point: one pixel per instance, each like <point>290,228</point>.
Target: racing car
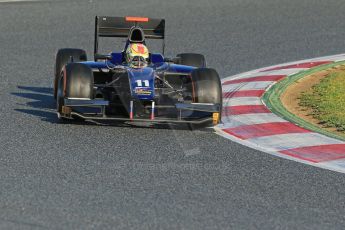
<point>135,85</point>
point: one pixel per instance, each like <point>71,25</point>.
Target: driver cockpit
<point>136,53</point>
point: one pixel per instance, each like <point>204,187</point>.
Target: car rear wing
<point>120,27</point>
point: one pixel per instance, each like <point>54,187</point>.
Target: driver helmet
<point>137,55</point>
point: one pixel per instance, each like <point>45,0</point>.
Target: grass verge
<point>272,100</point>
<point>327,101</point>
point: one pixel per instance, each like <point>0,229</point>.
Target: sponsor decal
<point>143,91</point>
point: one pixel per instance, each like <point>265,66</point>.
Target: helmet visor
<point>138,61</point>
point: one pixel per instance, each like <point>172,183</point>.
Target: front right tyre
<point>76,81</point>
<point>63,57</point>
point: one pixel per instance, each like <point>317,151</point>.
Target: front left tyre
<point>206,88</point>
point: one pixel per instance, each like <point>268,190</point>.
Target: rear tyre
<point>76,81</point>
<point>206,88</point>
<point>191,59</point>
<point>63,57</point>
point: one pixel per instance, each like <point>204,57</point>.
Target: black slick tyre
<point>63,57</point>
<point>206,88</point>
<point>76,81</point>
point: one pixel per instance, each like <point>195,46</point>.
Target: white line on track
<point>338,57</point>
<point>273,72</point>
<point>333,167</point>
<point>249,119</point>
<point>256,85</point>
<point>242,101</point>
<point>293,140</point>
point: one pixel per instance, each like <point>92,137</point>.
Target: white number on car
<point>140,83</point>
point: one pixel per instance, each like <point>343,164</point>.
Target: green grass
<point>327,101</point>
<point>272,99</point>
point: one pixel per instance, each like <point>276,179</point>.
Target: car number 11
<point>140,83</point>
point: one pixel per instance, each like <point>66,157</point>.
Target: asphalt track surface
<point>70,176</point>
